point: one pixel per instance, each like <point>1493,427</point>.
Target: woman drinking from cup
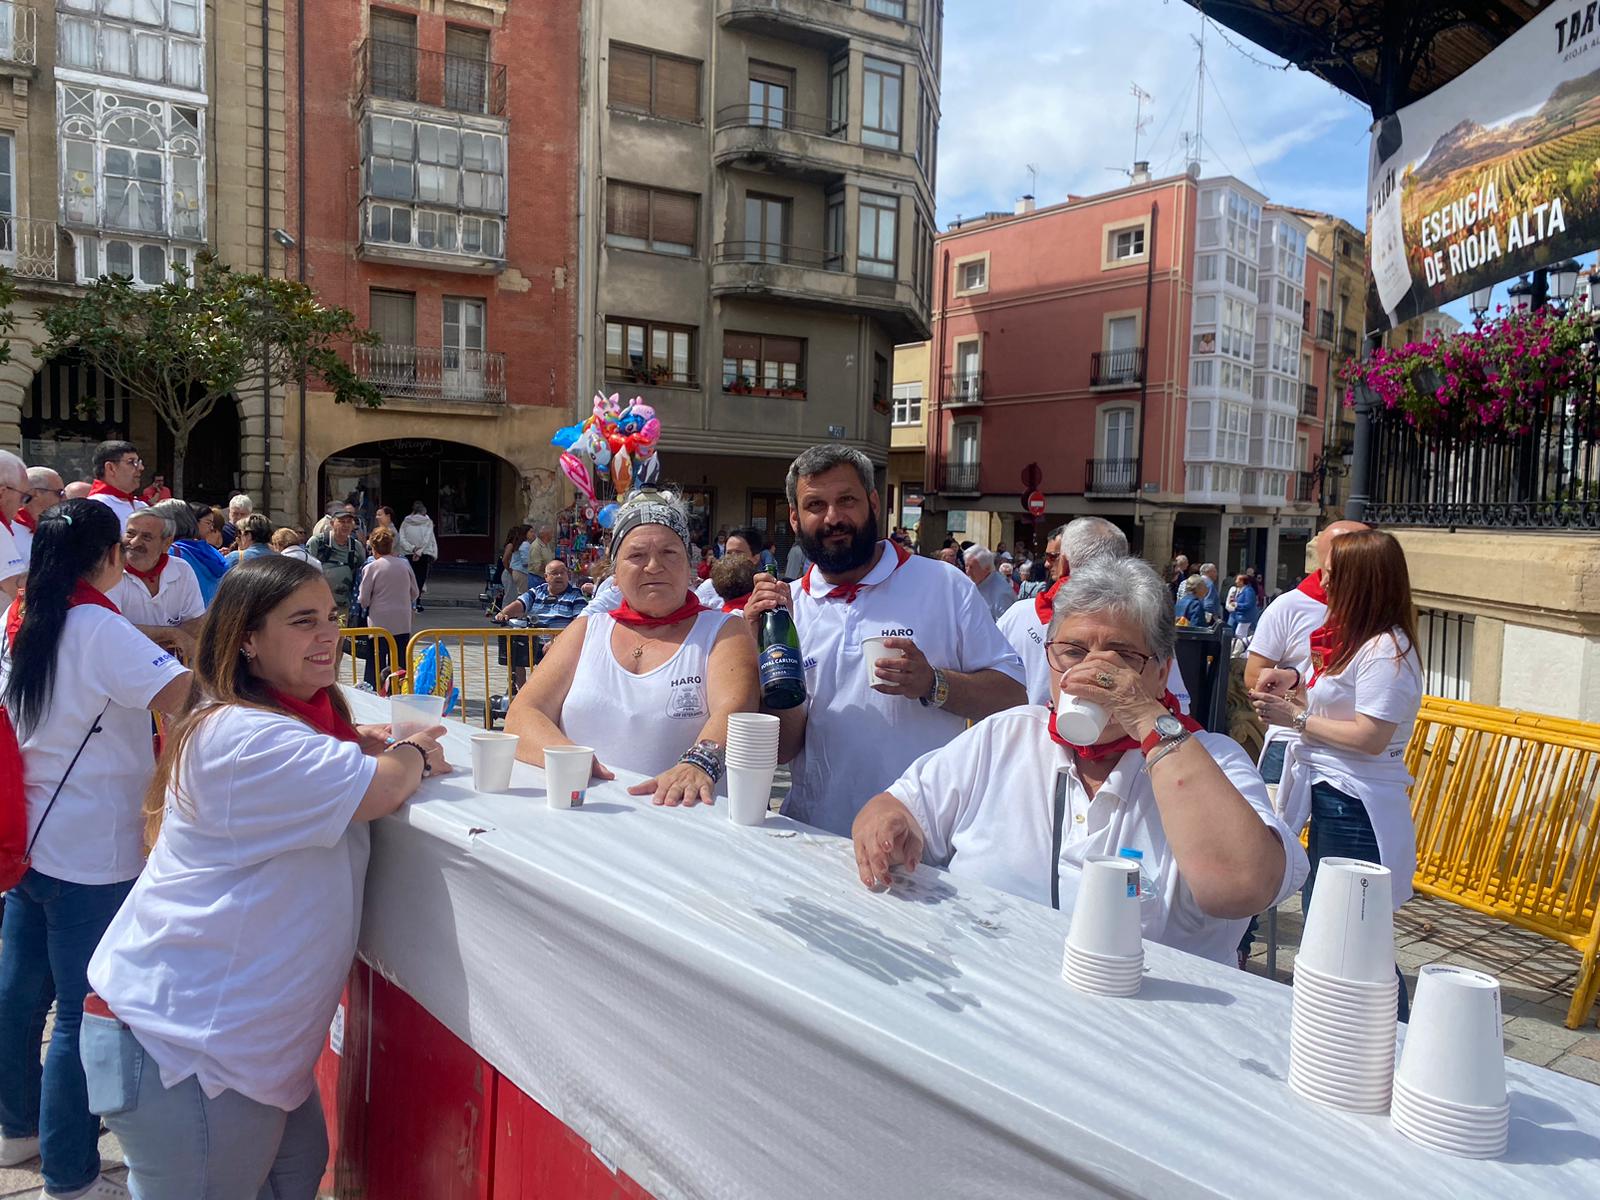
<point>648,686</point>
<point>1347,773</point>
<point>215,984</point>
<point>1019,803</point>
<point>77,681</point>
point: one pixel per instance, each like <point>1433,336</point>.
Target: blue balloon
<point>607,516</point>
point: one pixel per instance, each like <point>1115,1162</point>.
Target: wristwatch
<point>1300,719</point>
<point>939,693</point>
<point>1167,728</point>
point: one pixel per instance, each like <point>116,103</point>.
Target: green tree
<point>186,344</point>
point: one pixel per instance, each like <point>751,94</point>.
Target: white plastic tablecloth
<point>726,1012</point>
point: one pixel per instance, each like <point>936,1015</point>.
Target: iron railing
<point>1308,401</point>
<point>959,478</point>
<point>1446,650</point>
<point>1111,476</point>
<point>771,116</point>
<point>777,252</point>
<point>964,387</point>
<point>29,248</point>
<point>1547,478</point>
<point>433,373</point>
<point>1116,368</point>
<point>459,82</point>
<point>1324,325</point>
<point>1303,487</point>
<point>19,33</point>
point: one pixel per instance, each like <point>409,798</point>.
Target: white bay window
<point>157,41</point>
<point>434,186</point>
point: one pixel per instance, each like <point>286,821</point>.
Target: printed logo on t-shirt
<point>161,660</point>
<point>899,633</point>
<point>688,698</point>
<point>811,662</point>
<point>1036,637</point>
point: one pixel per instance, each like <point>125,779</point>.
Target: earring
<point>248,657</point>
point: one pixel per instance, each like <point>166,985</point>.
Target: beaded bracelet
<point>697,757</point>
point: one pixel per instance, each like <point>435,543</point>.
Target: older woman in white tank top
<point>650,685</point>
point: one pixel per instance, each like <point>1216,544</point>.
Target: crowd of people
<point>191,904</point>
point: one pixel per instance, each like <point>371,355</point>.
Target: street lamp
<point>1564,280</point>
<point>1521,295</point>
<point>1594,288</point>
<point>1479,304</point>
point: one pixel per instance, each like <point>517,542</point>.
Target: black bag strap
<point>94,728</point>
<point>1058,822</point>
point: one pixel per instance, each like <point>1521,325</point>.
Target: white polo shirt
<point>986,807</point>
<point>1022,628</point>
<point>95,833</point>
<point>13,561</point>
<point>121,507</point>
<point>177,597</point>
<point>228,957</point>
<point>859,740</point>
<point>23,537</point>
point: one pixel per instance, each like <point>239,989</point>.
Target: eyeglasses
<point>1064,656</point>
<point>1049,557</point>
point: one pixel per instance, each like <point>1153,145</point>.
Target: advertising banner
<point>1494,174</point>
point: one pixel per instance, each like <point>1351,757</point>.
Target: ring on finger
<point>1105,680</point>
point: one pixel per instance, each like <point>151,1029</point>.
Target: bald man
<point>13,495</point>
<point>1283,638</point>
<point>78,489</point>
<point>44,493</point>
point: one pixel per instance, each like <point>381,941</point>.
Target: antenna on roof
<point>1140,121</point>
<point>1198,140</point>
<point>1033,178</point>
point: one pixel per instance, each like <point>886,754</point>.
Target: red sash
<point>626,614</point>
<point>101,488</point>
<point>849,591</point>
<point>1124,743</point>
<point>319,713</point>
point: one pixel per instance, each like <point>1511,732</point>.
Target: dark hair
<point>109,452</point>
<point>257,526</point>
<point>734,576</point>
<point>750,536</point>
<point>246,597</point>
<point>180,514</point>
<point>202,512</point>
<point>71,543</point>
<point>517,535</point>
<point>1369,593</point>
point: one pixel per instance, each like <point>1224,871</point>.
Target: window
<point>466,69</point>
<point>445,165</point>
<point>1122,333</point>
<point>763,365</point>
<point>875,247</point>
<point>1117,441</point>
<point>766,228</point>
<point>394,317</point>
<point>771,91</point>
<point>7,188</point>
<point>393,61</point>
<point>654,85</point>
<point>927,134</point>
<point>907,404</point>
<point>839,96</point>
<point>641,218</point>
<point>462,363</point>
<point>888,8</point>
<point>880,384</point>
<point>1127,243</point>
<point>833,230</point>
<point>922,254</point>
<point>881,84</point>
<point>650,352</point>
<point>972,276</point>
<point>158,41</point>
<point>967,385</point>
<point>426,229</point>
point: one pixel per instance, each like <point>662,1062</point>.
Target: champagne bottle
<point>783,676</point>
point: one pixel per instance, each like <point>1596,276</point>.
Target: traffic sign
<point>1036,503</point>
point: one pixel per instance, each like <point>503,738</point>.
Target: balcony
<point>823,22</point>
<point>821,278</point>
<point>1309,407</point>
<point>1303,488</point>
<point>433,375</point>
<point>1111,477</point>
<point>399,71</point>
<point>1116,368</point>
<point>29,249</point>
<point>959,478</point>
<point>807,147</point>
<point>964,389</point>
<point>416,235</point>
<point>19,33</point>
<point>1325,326</point>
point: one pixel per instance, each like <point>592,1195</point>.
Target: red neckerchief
<point>626,613</point>
<point>1325,647</point>
<point>101,488</point>
<point>26,520</point>
<point>152,577</point>
<point>1045,602</point>
<point>1124,743</point>
<point>737,603</point>
<point>82,593</point>
<point>1311,585</point>
<point>849,591</point>
<point>319,713</point>
<point>5,520</point>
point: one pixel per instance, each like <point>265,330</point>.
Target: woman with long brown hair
<point>216,980</point>
<point>1355,714</point>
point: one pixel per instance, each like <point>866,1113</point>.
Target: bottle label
<point>780,664</point>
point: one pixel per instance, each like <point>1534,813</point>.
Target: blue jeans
<point>1340,828</point>
<point>1271,766</point>
<point>181,1144</point>
<point>51,929</point>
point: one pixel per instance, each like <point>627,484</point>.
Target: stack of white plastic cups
<point>1105,953</point>
<point>1341,1041</point>
<point>1450,1090</point>
<point>752,761</point>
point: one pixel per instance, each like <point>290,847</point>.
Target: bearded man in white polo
<point>948,663</point>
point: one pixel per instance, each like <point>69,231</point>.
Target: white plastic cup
<point>1349,932</point>
<point>749,794</point>
<point>873,651</point>
<point>412,713</point>
<point>493,756</point>
<point>1454,1052</point>
<point>753,724</point>
<point>1079,721</point>
<point>566,774</point>
<point>1105,916</point>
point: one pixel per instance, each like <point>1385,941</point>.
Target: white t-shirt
<point>121,507</point>
<point>95,833</point>
<point>1283,633</point>
<point>858,740</point>
<point>177,597</point>
<point>706,593</point>
<point>1022,628</point>
<point>986,807</point>
<point>23,537</point>
<point>13,560</point>
<point>608,598</point>
<point>228,957</point>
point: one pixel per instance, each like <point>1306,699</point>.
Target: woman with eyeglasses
<point>197,542</point>
<point>1013,804</point>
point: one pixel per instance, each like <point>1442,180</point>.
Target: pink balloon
<point>580,471</point>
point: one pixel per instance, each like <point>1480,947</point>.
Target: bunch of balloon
<point>616,441</point>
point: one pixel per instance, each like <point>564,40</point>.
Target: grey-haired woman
<point>651,684</point>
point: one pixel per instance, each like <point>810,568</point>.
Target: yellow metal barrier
<point>370,639</point>
<point>1507,810</point>
<point>476,656</point>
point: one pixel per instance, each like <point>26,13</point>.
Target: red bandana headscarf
<point>319,713</point>
<point>628,615</point>
<point>849,591</point>
<point>1124,743</point>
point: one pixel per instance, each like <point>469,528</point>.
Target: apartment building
<point>432,175</point>
<point>132,136</point>
<point>1146,349</point>
<point>758,217</point>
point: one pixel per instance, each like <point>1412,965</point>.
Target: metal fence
<point>1445,646</point>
